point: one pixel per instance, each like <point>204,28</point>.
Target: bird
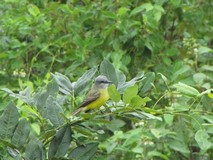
<point>97,96</point>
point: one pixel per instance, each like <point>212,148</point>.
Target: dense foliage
<point>158,53</point>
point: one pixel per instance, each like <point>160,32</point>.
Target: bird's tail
<point>77,111</point>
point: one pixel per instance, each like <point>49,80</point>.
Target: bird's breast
<point>101,100</point>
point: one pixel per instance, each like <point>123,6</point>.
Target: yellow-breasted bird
<point>97,96</point>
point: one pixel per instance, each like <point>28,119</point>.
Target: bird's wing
<point>92,96</point>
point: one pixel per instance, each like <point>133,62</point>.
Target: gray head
<point>102,82</point>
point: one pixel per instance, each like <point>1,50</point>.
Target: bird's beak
<point>109,82</point>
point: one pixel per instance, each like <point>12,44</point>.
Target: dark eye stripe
<point>103,81</point>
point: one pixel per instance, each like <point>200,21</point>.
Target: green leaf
<point>177,73</point>
<point>172,52</point>
<point>161,132</point>
<point>163,77</point>
<point>180,107</point>
<point>143,7</point>
<point>84,80</point>
<point>129,93</point>
<point>109,145</point>
<point>176,2</point>
<point>48,134</point>
<point>60,143</point>
<point>122,11</point>
<point>113,93</point>
<point>132,136</point>
<point>122,86</point>
<point>14,153</point>
<point>179,146</point>
<point>150,116</point>
<point>40,100</point>
<point>107,69</point>
<point>121,79</point>
<point>168,118</point>
<point>85,152</point>
<point>202,138</point>
<point>52,111</point>
<point>115,124</point>
<point>21,133</point>
<point>204,49</point>
<point>34,150</point>
<point>138,101</point>
<point>52,88</point>
<point>83,131</point>
<point>208,118</point>
<point>207,68</point>
<point>199,78</point>
<point>23,95</point>
<point>186,90</point>
<point>34,10</point>
<point>156,154</point>
<point>147,82</point>
<point>8,120</point>
<point>73,66</point>
<point>36,128</point>
<point>64,83</point>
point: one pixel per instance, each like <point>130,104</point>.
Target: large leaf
<point>14,153</point>
<point>129,93</point>
<point>53,111</point>
<point>138,101</point>
<point>123,86</point>
<point>161,132</point>
<point>204,49</point>
<point>143,115</point>
<point>143,7</point>
<point>8,120</point>
<point>107,69</point>
<point>23,95</point>
<point>132,136</point>
<point>60,143</point>
<point>115,124</point>
<point>179,72</point>
<point>186,90</point>
<point>168,118</point>
<point>121,79</point>
<point>40,98</point>
<point>21,133</point>
<point>113,93</point>
<point>202,138</point>
<point>64,83</point>
<point>84,80</point>
<point>179,145</point>
<point>34,150</point>
<point>118,78</point>
<point>81,130</point>
<point>33,10</point>
<point>85,152</point>
<point>147,82</point>
<point>52,88</point>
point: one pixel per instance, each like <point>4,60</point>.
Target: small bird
<point>97,96</point>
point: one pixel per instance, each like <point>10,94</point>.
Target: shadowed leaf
<point>8,120</point>
<point>60,143</point>
<point>85,152</point>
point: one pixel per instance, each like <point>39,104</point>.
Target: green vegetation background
<point>158,53</point>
